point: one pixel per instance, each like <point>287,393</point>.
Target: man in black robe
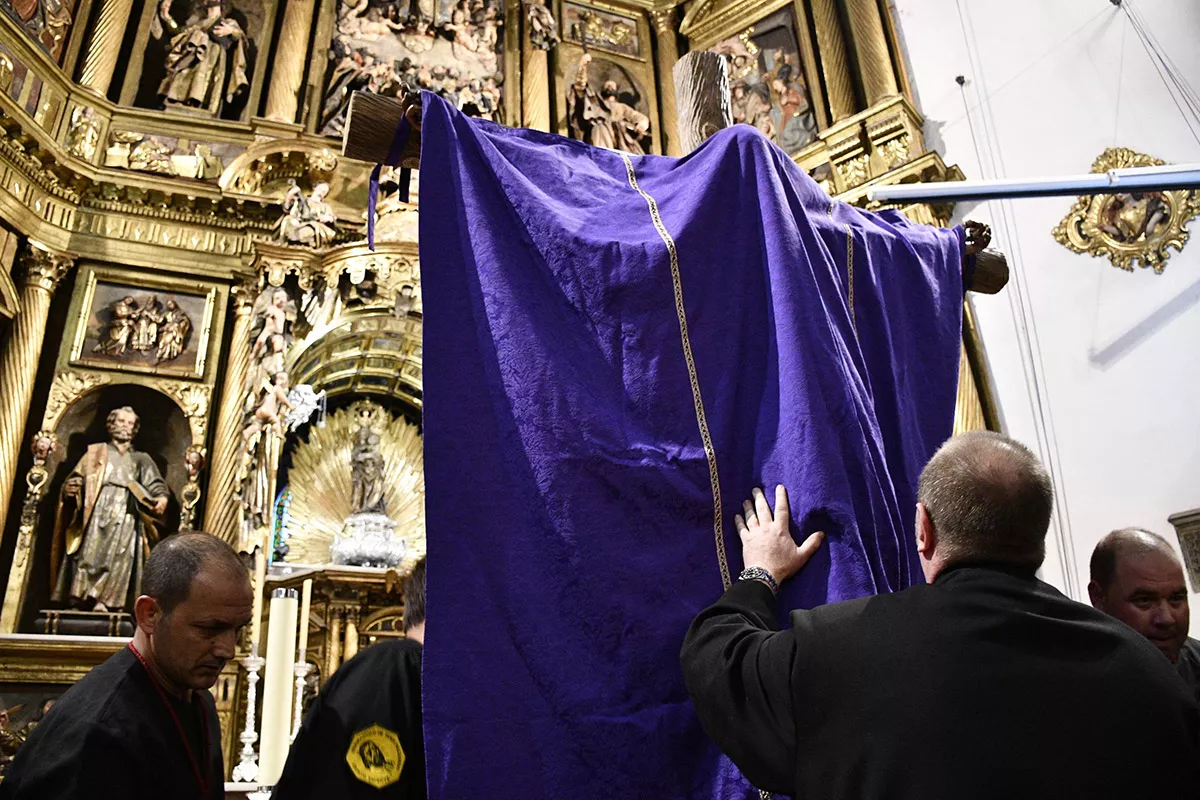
<point>983,683</point>
<point>141,726</point>
<point>1137,579</point>
<point>362,736</point>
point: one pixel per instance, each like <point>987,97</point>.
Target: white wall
<point>1114,356</point>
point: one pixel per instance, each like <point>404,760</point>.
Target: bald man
<point>1137,579</point>
<point>982,683</point>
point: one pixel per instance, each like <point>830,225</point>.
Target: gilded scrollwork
<point>1130,227</point>
<point>69,386</point>
<point>193,400</point>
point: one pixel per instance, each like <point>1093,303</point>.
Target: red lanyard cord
<point>199,773</point>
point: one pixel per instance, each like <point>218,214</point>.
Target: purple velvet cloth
<point>568,502</point>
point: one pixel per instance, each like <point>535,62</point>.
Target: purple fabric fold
<point>568,504</point>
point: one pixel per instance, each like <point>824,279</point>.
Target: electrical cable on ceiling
<point>1181,92</point>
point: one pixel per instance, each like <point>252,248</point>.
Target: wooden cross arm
<point>371,126</point>
<point>371,123</point>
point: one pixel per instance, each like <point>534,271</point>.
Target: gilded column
<point>287,70</point>
<point>222,514</point>
<point>351,646</point>
<point>104,45</point>
<point>535,76</point>
<point>833,60</point>
<point>333,642</point>
<point>870,45</point>
<point>41,272</point>
<point>667,55</point>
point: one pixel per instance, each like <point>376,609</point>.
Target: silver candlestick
<point>300,670</point>
<point>247,770</point>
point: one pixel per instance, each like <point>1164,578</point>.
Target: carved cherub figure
<point>271,408</point>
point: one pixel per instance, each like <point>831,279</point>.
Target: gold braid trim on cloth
<point>710,452</point>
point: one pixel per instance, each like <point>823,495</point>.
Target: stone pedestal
<point>368,540</point>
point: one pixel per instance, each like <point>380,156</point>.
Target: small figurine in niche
<point>270,409</point>
<point>115,338</point>
<point>307,221</point>
<point>543,30</point>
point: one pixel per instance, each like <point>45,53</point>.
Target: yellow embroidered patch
<point>375,756</point>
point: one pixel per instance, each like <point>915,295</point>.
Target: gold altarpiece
<point>119,192</point>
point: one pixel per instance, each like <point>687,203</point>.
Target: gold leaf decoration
<point>1129,227</point>
<point>320,482</point>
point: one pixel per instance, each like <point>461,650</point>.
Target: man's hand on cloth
<point>766,539</point>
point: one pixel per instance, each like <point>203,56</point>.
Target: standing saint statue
<point>602,119</point>
<point>109,513</point>
<point>366,470</point>
<point>206,59</point>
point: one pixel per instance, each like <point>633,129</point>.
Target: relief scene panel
<point>767,79</point>
<point>452,47</point>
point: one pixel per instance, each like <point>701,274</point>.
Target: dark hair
<point>414,596</point>
<point>175,562</point>
<point>989,499</point>
<point>1121,542</point>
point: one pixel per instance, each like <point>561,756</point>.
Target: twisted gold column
<point>833,60</point>
<point>222,514</point>
<point>666,56</point>
<point>535,86</point>
<point>870,45</point>
<point>287,70</point>
<point>41,272</point>
<point>104,45</point>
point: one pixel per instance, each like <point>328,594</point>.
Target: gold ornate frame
<point>82,311</point>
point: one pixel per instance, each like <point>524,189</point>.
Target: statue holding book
<point>109,514</point>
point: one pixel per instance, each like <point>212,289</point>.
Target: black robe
<point>984,685</point>
<point>1188,666</point>
<point>368,705</point>
<point>111,737</point>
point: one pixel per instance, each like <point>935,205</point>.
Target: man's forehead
<point>1153,569</point>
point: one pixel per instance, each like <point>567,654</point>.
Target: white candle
<point>305,604</point>
<point>260,579</point>
<point>277,696</point>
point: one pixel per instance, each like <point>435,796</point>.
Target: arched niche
<point>164,434</point>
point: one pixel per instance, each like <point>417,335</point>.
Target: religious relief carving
<point>602,107</point>
<point>110,513</point>
<point>603,30</point>
<point>543,30</point>
<point>46,21</point>
<point>895,151</point>
<point>1130,227</point>
<point>84,134</point>
<point>308,221</point>
<point>207,60</point>
<point>143,328</point>
<point>767,81</point>
<point>166,155</point>
<point>854,171</point>
<point>454,49</point>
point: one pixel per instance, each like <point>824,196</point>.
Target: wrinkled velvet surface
<point>570,516</point>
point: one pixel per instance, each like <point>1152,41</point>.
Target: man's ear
<point>926,533</point>
<point>1096,595</point>
<point>147,613</point>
